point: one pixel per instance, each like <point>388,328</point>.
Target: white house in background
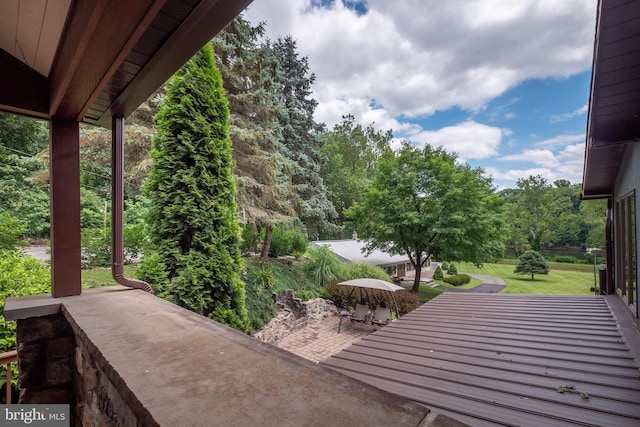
<point>352,250</point>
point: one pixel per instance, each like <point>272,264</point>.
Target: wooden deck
<point>497,359</point>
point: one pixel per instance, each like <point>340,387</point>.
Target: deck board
<point>497,359</point>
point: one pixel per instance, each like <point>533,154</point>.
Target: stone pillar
<point>45,360</point>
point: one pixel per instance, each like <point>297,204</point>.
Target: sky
<point>502,83</point>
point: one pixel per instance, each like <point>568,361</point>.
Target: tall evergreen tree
<point>193,216</point>
<point>248,71</point>
<point>300,137</point>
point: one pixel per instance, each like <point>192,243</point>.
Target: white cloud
<point>417,57</point>
<point>564,164</point>
<point>562,140</point>
<point>564,117</point>
<point>544,158</point>
<point>402,61</point>
<point>471,140</point>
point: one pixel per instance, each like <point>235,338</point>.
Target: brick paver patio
<point>321,339</point>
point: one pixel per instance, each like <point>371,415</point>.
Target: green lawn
<point>427,293</point>
<point>102,276</point>
<point>556,282</point>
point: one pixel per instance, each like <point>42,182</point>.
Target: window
<point>626,261</point>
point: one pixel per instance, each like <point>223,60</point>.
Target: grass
<point>585,268</point>
<point>428,293</point>
<point>102,276</point>
<point>560,282</point>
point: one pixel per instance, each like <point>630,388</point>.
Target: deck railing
<point>7,359</point>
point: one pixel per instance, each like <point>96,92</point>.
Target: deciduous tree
<point>350,152</point>
<point>21,139</point>
<point>422,203</point>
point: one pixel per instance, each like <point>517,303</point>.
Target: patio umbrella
<point>369,283</point>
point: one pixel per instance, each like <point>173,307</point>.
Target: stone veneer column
<point>45,360</point>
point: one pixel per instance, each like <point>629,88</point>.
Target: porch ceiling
<point>493,359</point>
<point>89,60</point>
<point>614,106</point>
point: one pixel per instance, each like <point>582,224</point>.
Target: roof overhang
<point>93,59</point>
<point>614,104</point>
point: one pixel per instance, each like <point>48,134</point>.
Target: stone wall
<point>45,361</point>
<point>295,315</point>
<point>99,403</point>
<point>56,367</point>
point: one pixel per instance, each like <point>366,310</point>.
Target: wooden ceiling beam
<point>208,18</point>
<point>82,22</point>
<point>99,46</point>
<point>140,28</point>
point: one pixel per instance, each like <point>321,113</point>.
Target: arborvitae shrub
<point>452,270</point>
<point>438,274</point>
<point>193,214</point>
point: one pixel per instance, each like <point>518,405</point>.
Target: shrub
<point>96,244</point>
<point>264,280</point>
<point>357,270</point>
<point>287,241</point>
<point>19,275</point>
<point>260,303</point>
<point>11,229</point>
<point>153,271</point>
<point>251,238</point>
<point>588,259</point>
<point>135,240</point>
<point>445,265</point>
<point>452,270</point>
<point>338,294</point>
<point>323,265</point>
<point>457,280</point>
<point>566,259</point>
<point>407,301</point>
<point>438,274</point>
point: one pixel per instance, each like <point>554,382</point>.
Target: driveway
<point>40,252</point>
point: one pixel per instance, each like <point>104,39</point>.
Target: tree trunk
<point>266,245</point>
<point>416,282</point>
<point>531,276</point>
<point>418,270</point>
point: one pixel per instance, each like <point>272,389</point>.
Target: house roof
<point>614,104</point>
<point>353,251</point>
<point>91,60</point>
<point>493,359</point>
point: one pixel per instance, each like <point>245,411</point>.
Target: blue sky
<point>503,83</point>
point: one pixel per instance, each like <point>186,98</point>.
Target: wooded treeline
<point>292,174</point>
